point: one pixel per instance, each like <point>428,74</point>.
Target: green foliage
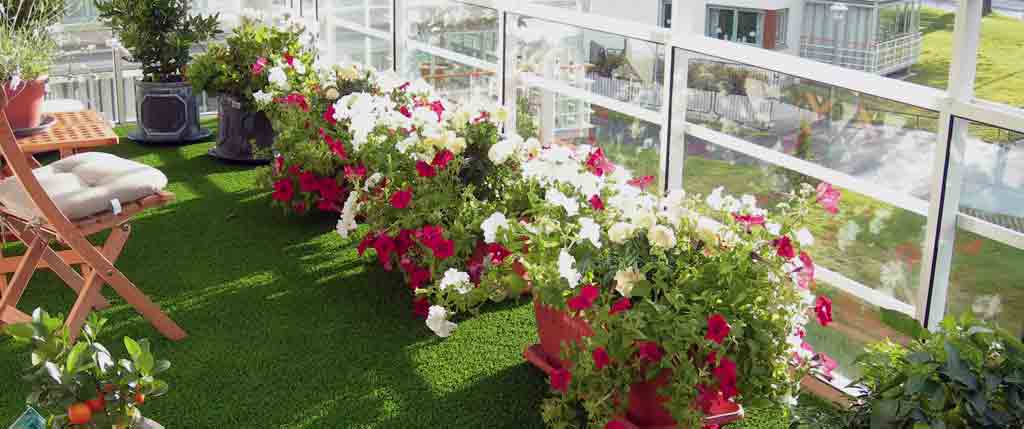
<point>969,374</point>
<point>158,33</point>
<point>526,125</point>
<point>64,372</point>
<point>27,47</point>
<point>227,68</point>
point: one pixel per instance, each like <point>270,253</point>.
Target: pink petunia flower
<point>598,164</point>
<point>642,182</point>
<point>259,65</point>
<point>784,247</point>
<point>828,197</point>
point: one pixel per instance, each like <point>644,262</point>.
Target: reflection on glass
<point>748,27</point>
<point>457,82</point>
<point>987,276</point>
<point>465,29</point>
<point>609,65</point>
<point>648,13</point>
<point>877,140</point>
<point>627,141</point>
<point>340,42</point>
<point>720,23</point>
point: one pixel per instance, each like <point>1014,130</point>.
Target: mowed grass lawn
<point>289,328</point>
<point>1000,73</point>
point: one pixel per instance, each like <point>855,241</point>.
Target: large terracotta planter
<point>555,327</point>
<point>25,109</point>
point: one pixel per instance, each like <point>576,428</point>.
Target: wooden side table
<point>74,132</point>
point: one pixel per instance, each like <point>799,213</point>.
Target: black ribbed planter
<point>241,133</point>
<point>167,113</point>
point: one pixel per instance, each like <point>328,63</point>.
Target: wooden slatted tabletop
<point>72,132</point>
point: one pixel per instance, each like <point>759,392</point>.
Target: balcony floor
<point>288,328</point>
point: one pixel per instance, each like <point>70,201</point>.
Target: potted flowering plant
<point>428,177</point>
<point>237,69</point>
<point>27,48</point>
<point>80,384</point>
<point>665,312</point>
<point>307,171</point>
<point>160,35</point>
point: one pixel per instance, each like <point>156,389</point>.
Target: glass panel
<point>870,138</point>
<point>457,82</point>
<point>873,246</point>
<point>648,12</point>
<point>987,277</point>
<point>722,24</point>
<point>357,31</point>
<point>606,64</point>
<point>1000,48</point>
<point>627,141</point>
<point>467,30</point>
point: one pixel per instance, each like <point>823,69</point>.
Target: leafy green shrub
<point>967,375</point>
<point>27,47</point>
<point>159,33</point>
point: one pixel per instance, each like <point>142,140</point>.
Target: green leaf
<point>76,358</point>
<point>20,331</point>
<point>133,348</point>
<point>54,372</point>
<point>919,358</point>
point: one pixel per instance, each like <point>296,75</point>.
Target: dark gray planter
<point>167,113</point>
<point>241,133</point>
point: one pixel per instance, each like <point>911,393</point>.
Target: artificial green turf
<point>288,327</point>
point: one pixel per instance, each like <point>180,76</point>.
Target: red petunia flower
<point>588,294</point>
<point>367,241</point>
<point>284,190</point>
<point>421,307</point>
<point>650,351</point>
<point>329,115</point>
<point>385,246</point>
<point>418,277</point>
<point>615,424</point>
<point>749,221</point>
<point>288,58</point>
<point>560,379</point>
<point>404,110</point>
<point>596,203</point>
<point>621,305</point>
<point>308,182</point>
<point>443,249</point>
<point>642,182</point>
<point>497,252</point>
<point>355,171</point>
<point>401,199</point>
<point>278,164</point>
<point>784,247</point>
<point>823,309</point>
<point>725,373</point>
<point>442,158</point>
<point>718,328</point>
<point>425,170</point>
<point>707,397</point>
<point>828,197</point>
<point>598,164</point>
<point>601,358</point>
<point>438,107</point>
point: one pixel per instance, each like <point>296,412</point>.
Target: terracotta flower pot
<point>25,108</point>
<point>555,327</point>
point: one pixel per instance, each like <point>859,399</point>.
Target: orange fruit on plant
<point>96,404</point>
<point>109,388</point>
<point>79,414</point>
<point>140,398</point>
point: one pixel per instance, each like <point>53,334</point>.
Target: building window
<point>781,28</point>
<point>762,28</point>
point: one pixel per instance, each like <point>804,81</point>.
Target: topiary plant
<point>158,33</point>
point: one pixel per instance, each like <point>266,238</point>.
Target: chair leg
<point>83,305</point>
<point>26,268</point>
<point>147,308</point>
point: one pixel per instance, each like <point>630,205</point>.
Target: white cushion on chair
<point>83,185</point>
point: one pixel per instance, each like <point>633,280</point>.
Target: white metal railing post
<point>400,36</point>
<point>673,139</point>
<point>507,72</point>
<point>118,86</point>
<point>947,170</point>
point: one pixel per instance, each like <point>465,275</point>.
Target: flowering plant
<point>427,177</point>
<point>708,296</point>
<point>80,384</point>
<point>308,167</point>
<point>237,66</point>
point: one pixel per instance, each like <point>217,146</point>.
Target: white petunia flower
<point>566,269</point>
<point>804,237</point>
<point>298,66</point>
<point>715,200</point>
<point>556,197</point>
<point>372,181</point>
<point>987,306</point>
<point>492,224</point>
<point>262,97</point>
<point>437,321</point>
<point>773,228</point>
<point>591,231</point>
<point>457,279</point>
<point>347,222</point>
<point>661,236</point>
<point>620,232</point>
<point>626,279</point>
<point>279,78</point>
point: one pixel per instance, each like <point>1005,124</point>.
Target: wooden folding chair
<point>97,263</point>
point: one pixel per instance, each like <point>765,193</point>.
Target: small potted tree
<point>27,49</point>
<point>160,34</point>
<point>237,69</point>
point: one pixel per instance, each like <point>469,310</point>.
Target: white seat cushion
<point>85,184</point>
